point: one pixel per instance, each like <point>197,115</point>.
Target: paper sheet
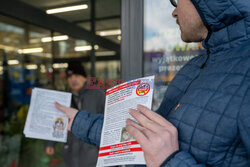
<point>44,120</point>
<point>117,146</point>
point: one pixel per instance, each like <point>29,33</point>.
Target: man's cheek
<point>74,84</point>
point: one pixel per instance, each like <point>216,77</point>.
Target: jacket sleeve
<point>181,159</point>
<point>244,121</point>
<point>88,127</point>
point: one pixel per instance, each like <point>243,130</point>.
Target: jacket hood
<point>228,22</point>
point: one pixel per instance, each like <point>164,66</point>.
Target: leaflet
<point>44,120</point>
<point>117,146</point>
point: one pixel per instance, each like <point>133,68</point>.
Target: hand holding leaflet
<point>117,146</point>
<point>153,133</point>
<point>69,112</point>
<point>44,120</point>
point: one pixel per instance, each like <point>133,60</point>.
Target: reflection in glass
<point>164,51</point>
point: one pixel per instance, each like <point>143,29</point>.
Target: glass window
<point>26,55</point>
<point>164,51</point>
<point>108,69</point>
<point>29,57</point>
<point>25,62</point>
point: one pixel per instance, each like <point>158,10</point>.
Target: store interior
<point>34,53</point>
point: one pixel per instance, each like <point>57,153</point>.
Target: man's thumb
<point>61,108</point>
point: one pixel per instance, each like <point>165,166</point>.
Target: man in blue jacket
<point>204,119</point>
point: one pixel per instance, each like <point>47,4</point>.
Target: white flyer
<point>44,120</point>
<point>117,146</point>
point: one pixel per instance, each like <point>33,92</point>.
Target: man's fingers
<point>70,113</point>
<point>153,116</point>
<point>145,131</point>
<point>144,121</point>
<point>137,134</point>
<point>69,125</point>
<point>61,108</point>
<point>65,110</point>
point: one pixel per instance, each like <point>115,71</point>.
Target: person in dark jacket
<point>75,152</point>
<point>204,119</point>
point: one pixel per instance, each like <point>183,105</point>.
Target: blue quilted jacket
<point>213,93</point>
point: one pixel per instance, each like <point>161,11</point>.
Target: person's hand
<point>157,137</point>
<point>49,150</point>
<point>70,113</point>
